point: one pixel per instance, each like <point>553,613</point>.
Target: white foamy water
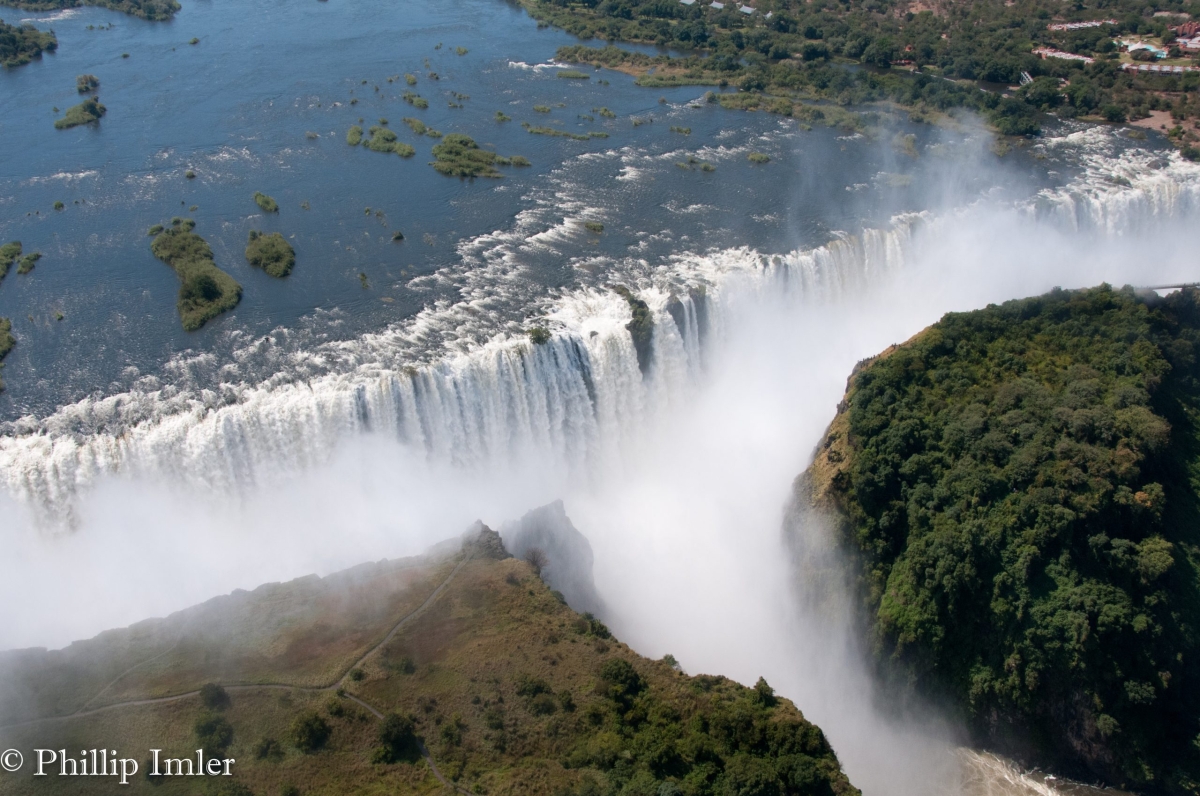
<point>677,468</point>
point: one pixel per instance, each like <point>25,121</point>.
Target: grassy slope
<point>459,668</point>
<point>1019,487</point>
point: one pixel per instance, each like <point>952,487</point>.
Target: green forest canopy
<point>805,47</point>
<point>20,44</point>
<point>1021,485</point>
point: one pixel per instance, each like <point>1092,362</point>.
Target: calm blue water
<point>236,109</point>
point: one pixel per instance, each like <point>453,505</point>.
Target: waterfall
<point>577,400</point>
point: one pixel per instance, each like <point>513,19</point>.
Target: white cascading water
<point>582,408</point>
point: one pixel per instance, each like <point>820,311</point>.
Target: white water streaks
<point>677,469</point>
<point>489,396</point>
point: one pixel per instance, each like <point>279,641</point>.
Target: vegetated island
<point>7,341</point>
<point>270,252</point>
<point>791,53</point>
<point>1019,489</point>
<point>459,156</point>
<point>379,139</point>
<point>460,670</point>
<point>146,9</point>
<point>265,203</point>
<point>205,291</point>
<point>86,83</point>
<point>20,44</point>
<point>9,253</point>
<point>86,112</point>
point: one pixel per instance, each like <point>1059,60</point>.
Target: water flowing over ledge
<point>579,399</point>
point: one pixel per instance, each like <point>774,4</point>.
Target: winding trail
<point>335,685</point>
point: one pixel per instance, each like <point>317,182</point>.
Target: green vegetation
<point>519,160</point>
<point>418,127</point>
<point>415,100</point>
<point>20,44</point>
<point>86,112</point>
<point>58,205</point>
<point>380,139</point>
<point>541,108</point>
<point>194,40</point>
<point>1020,486</point>
<point>695,163</point>
<point>927,60</point>
<point>146,9</point>
<point>573,74</point>
<point>682,130</point>
<point>410,79</point>
<point>489,677</point>
<point>501,116</point>
<point>554,132</point>
<point>189,174</point>
<point>7,341</point>
<point>459,156</point>
<point>460,50</point>
<point>205,291</point>
<point>28,262</point>
<point>605,112</point>
<point>9,253</point>
<point>265,203</point>
<point>641,327</point>
<point>758,157</point>
<point>593,226</point>
<point>539,335</point>
<point>271,253</point>
<point>86,83</point>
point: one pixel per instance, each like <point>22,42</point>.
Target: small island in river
<point>205,291</point>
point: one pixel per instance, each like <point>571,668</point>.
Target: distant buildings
<point>1095,23</point>
<point>1047,52</point>
<point>1158,69</point>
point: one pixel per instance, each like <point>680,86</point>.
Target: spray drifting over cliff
<point>674,460</point>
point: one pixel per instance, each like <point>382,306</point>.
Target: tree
<point>214,697</point>
<point>309,732</point>
<point>213,733</point>
<point>537,559</point>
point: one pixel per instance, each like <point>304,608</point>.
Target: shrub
<point>271,253</point>
<point>28,261</point>
<point>758,157</point>
<point>265,203</point>
<point>214,697</point>
<point>205,291</point>
<point>538,335</point>
<point>309,732</point>
<point>268,749</point>
<point>86,112</point>
<point>357,675</point>
<point>355,136</point>
<point>593,226</point>
<point>573,74</point>
<point>397,740</point>
<point>189,174</point>
<point>86,83</point>
<point>213,733</point>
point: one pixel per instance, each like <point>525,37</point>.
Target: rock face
<point>568,567</point>
<point>487,542</point>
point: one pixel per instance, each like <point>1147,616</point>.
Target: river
<point>322,423</point>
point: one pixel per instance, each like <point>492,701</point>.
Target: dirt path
<point>335,685</point>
